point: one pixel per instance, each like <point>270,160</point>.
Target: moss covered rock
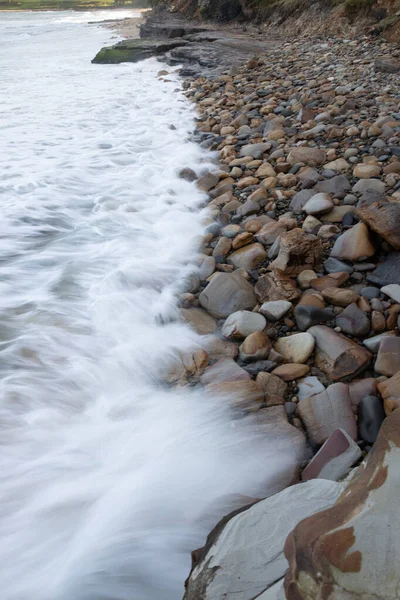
<point>135,50</point>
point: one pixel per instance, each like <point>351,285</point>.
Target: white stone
<point>309,386</point>
<point>247,557</point>
<point>318,204</point>
<point>276,309</point>
<point>296,348</point>
<point>241,323</point>
<point>393,291</point>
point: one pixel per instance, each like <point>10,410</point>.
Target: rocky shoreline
<point>297,296</point>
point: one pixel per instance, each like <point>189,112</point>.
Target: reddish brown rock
<point>390,392</point>
<point>351,550</point>
<point>388,359</point>
<point>298,251</point>
<point>291,371</point>
<point>339,297</point>
<point>338,356</point>
<point>334,280</point>
<point>384,218</point>
<point>276,286</point>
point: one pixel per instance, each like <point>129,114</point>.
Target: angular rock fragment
<point>354,244</point>
<point>276,286</point>
<point>353,321</point>
<point>337,356</point>
<point>298,251</point>
<point>335,459</point>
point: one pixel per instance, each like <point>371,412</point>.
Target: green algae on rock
<point>135,50</point>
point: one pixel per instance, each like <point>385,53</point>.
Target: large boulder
<point>352,550</point>
<point>243,556</point>
<point>227,293</point>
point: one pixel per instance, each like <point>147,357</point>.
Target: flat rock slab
<point>388,271</point>
<point>353,548</point>
<point>243,556</point>
<point>135,50</point>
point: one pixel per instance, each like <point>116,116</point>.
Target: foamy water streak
<point>107,479</point>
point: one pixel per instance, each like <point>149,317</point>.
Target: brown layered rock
<point>298,251</point>
<point>351,550</point>
<point>384,218</point>
<point>338,356</point>
<point>276,286</point>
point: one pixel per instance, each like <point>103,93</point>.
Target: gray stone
<point>374,342</point>
<point>334,265</point>
<point>369,292</point>
<point>370,418</point>
<point>275,310</point>
<point>353,321</point>
<point>387,272</point>
<point>337,186</point>
<point>300,199</point>
<point>227,293</point>
<point>307,316</point>
<point>255,150</point>
<point>242,323</point>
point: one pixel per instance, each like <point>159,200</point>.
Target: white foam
<point>107,479</point>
